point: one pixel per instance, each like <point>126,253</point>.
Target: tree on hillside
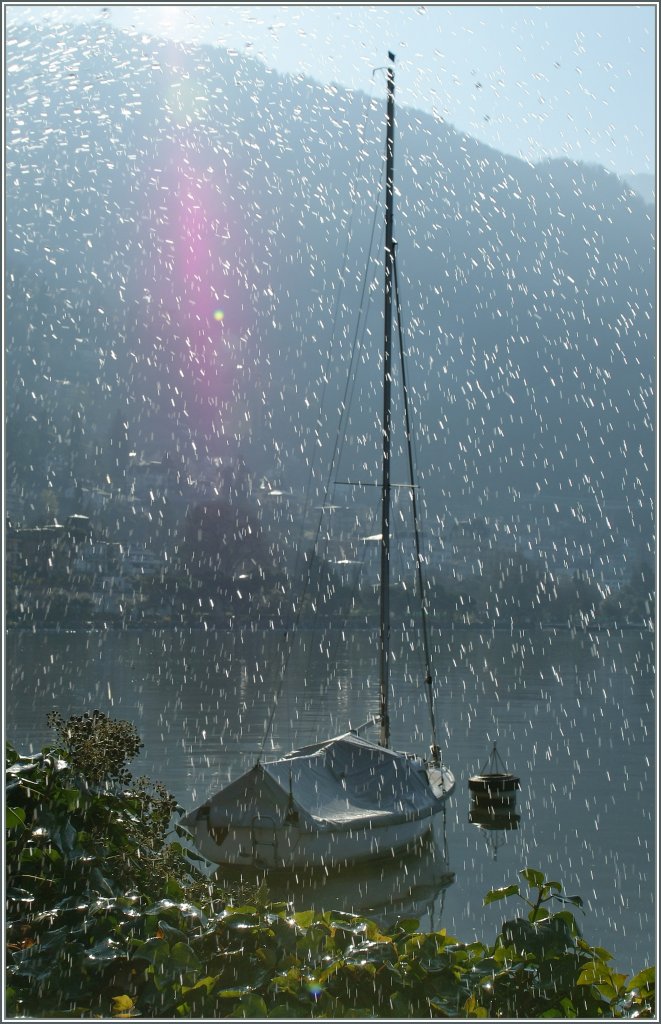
<point>572,600</point>
<point>219,538</point>
<point>510,587</point>
<point>635,600</point>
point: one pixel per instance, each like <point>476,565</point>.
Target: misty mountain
<point>194,241</point>
<point>644,185</point>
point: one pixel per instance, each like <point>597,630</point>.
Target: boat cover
<point>340,783</point>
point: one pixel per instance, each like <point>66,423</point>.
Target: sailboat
<point>347,799</point>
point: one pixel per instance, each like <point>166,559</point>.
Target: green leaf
<point>203,983</point>
<point>250,1006</point>
<point>500,894</point>
<point>568,1007</point>
<point>18,895</point>
<point>14,816</point>
<point>234,993</point>
<point>279,907</point>
<point>106,950</point>
<point>154,951</point>
<point>575,900</point>
<point>601,953</point>
<point>473,1009</point>
<point>288,1011</point>
<point>644,979</point>
<point>54,940</point>
<point>100,883</point>
<point>413,943</point>
<point>538,914</point>
<point>172,934</point>
<point>595,973</point>
<point>378,953</point>
<point>407,925</point>
<point>305,918</point>
<point>329,972</point>
<point>533,877</point>
<point>64,837</point>
<point>342,918</point>
<point>502,953</point>
<point>607,990</point>
<point>185,958</point>
<point>173,890</point>
<point>23,768</point>
<point>71,798</point>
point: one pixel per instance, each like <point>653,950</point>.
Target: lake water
<point>573,716</point>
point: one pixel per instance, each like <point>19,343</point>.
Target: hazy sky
<point>531,80</point>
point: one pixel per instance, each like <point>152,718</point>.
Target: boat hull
<point>273,845</point>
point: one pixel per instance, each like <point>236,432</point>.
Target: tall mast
<point>387,423</point>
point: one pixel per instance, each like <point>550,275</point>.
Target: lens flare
<point>219,315</point>
<point>314,989</point>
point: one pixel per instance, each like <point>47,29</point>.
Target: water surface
<point>573,715</point>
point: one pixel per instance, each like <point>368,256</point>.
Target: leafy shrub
<point>109,915</point>
<point>96,746</point>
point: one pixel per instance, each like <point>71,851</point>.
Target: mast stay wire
<point>422,586</point>
<point>337,450</point>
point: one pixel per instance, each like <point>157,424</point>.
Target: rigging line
<point>300,552</point>
<point>311,561</point>
<point>346,403</point>
<point>325,378</point>
<point>363,308</point>
<point>347,398</point>
<point>416,521</point>
<point>336,635</point>
<point>367,483</point>
<point>326,374</point>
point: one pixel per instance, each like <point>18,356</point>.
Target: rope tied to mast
<point>419,558</point>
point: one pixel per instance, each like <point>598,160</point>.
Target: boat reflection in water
<point>493,801</point>
<point>496,822</point>
<point>410,884</point>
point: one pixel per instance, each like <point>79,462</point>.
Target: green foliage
<point>107,918</point>
<point>96,746</point>
<point>86,853</point>
<point>544,968</point>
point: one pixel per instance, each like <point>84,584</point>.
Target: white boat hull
<point>267,845</point>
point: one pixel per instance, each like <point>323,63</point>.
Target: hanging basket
<point>494,782</point>
<point>494,785</point>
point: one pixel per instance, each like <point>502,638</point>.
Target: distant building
<point>40,551</point>
<point>36,551</point>
<point>146,479</point>
<point>136,562</point>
